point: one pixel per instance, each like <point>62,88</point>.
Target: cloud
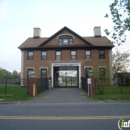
<point>3,9</point>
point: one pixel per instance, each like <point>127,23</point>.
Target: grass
<point>113,93</point>
<point>14,93</point>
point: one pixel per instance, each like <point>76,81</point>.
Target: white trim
<point>88,67</point>
<point>43,68</point>
<point>22,67</point>
<point>65,64</point>
<point>30,68</point>
<point>63,35</point>
<point>102,67</point>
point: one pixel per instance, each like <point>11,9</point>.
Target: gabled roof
<point>99,41</point>
<point>31,42</point>
<point>61,30</point>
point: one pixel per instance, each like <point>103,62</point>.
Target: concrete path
<point>62,95</point>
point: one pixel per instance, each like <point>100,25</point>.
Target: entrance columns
<point>33,84</point>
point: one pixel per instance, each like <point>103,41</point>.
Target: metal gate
<point>66,76</point>
<point>84,84</point>
<point>42,84</point>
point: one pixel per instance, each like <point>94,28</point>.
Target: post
<point>5,86</point>
<point>91,76</point>
<point>34,90</point>
<point>89,87</point>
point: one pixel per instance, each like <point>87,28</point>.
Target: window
<point>65,40</point>
<point>28,73</point>
<point>102,73</point>
<point>58,55</point>
<point>30,55</point>
<point>88,54</point>
<point>73,55</point>
<point>87,71</point>
<point>101,54</point>
<point>43,73</point>
<point>44,55</point>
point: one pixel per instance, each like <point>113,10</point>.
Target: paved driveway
<point>62,95</point>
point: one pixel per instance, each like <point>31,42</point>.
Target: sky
<point>19,17</point>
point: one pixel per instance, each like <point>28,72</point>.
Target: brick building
<point>65,57</point>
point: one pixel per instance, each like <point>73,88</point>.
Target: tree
<point>2,73</point>
<point>120,11</point>
<point>15,74</point>
<point>120,62</point>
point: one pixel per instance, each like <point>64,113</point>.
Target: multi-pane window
<point>58,55</point>
<point>101,54</point>
<point>30,55</point>
<point>43,73</point>
<point>88,54</point>
<point>102,73</point>
<point>65,40</point>
<point>87,71</point>
<point>28,73</point>
<point>44,55</point>
<point>73,55</point>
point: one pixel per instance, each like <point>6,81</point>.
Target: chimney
<point>97,31</point>
<point>37,33</point>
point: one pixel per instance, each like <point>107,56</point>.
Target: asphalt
<point>62,95</point>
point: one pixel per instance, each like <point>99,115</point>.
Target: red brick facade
<point>80,45</point>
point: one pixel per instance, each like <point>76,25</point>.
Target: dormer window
<point>65,40</point>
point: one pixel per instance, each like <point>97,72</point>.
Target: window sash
<point>87,71</point>
<point>101,54</point>
<point>102,73</point>
<point>43,73</point>
<point>44,55</point>
<point>30,55</point>
<point>88,54</point>
<point>28,73</point>
<point>73,55</point>
<point>65,40</point>
<point>58,55</point>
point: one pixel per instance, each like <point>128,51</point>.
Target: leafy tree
<point>120,62</point>
<point>120,11</point>
<point>2,73</point>
<point>15,74</point>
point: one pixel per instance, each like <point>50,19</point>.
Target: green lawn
<point>14,93</point>
<point>113,93</point>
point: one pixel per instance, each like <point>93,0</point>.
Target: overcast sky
<point>19,17</point>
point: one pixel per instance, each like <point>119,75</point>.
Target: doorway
<point>66,76</point>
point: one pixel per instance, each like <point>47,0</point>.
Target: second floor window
<point>58,55</point>
<point>73,55</point>
<point>88,54</point>
<point>101,54</point>
<point>30,55</point>
<point>65,40</point>
<point>44,55</point>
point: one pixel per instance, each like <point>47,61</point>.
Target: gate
<point>42,84</point>
<point>84,84</point>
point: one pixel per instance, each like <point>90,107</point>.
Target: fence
<point>42,85</point>
<point>84,84</point>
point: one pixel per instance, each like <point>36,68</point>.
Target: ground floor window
<point>87,71</point>
<point>28,73</point>
<point>102,73</point>
<point>43,73</point>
